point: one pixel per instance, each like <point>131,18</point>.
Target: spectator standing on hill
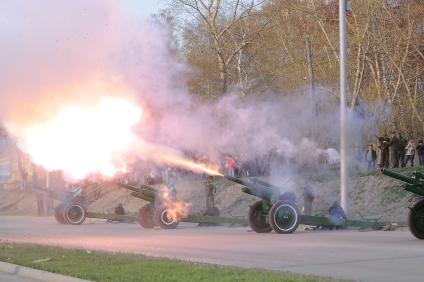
<point>410,152</point>
<point>420,151</point>
<point>402,145</point>
<point>370,157</point>
<point>384,143</point>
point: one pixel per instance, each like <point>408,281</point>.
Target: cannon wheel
<point>416,219</point>
<point>145,216</point>
<point>164,219</point>
<point>257,218</point>
<point>59,214</point>
<point>74,213</point>
<point>284,217</point>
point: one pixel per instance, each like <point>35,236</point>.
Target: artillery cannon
<point>164,210</point>
<point>275,211</point>
<point>279,211</point>
<point>160,211</point>
<point>415,185</point>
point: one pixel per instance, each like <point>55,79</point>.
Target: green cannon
<point>166,211</point>
<point>415,185</point>
<point>279,212</point>
<point>163,209</point>
<point>275,211</point>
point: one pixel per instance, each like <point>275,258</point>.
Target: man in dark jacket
<point>394,151</point>
<point>210,189</point>
<point>420,151</point>
<point>385,152</point>
<point>402,145</point>
<point>119,209</point>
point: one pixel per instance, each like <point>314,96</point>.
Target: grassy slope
<point>99,266</point>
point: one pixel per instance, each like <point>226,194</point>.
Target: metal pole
<point>311,74</point>
<point>310,67</point>
<point>343,110</point>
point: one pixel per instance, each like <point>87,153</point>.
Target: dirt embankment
<point>370,196</point>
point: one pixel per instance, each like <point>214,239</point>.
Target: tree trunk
<point>223,77</point>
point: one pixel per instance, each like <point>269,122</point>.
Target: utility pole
<point>310,66</point>
<point>311,73</point>
<point>343,109</point>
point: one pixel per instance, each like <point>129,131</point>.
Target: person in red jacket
<point>230,165</point>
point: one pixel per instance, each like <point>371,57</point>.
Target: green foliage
<point>100,266</point>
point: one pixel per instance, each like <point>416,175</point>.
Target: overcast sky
<point>145,7</point>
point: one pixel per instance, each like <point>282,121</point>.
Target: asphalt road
<point>6,277</point>
<point>364,256</point>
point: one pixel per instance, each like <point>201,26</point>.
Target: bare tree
<point>219,18</point>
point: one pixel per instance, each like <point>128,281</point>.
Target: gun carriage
<point>279,211</point>
<point>415,185</point>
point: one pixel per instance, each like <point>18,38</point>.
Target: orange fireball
<point>81,139</point>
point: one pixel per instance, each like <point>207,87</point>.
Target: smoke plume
<point>55,53</point>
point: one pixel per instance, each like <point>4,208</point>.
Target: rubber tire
<point>256,212</point>
<point>213,211</point>
<point>67,213</point>
<point>59,214</point>
<point>145,216</point>
<point>293,212</point>
<point>416,222</point>
<point>160,220</point>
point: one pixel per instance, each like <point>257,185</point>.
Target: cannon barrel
<point>397,175</point>
<point>256,188</point>
<point>129,187</point>
<point>143,192</point>
<point>148,188</point>
<point>413,184</point>
<point>143,196</point>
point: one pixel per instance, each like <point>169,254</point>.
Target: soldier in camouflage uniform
<point>394,151</point>
<point>384,142</point>
<point>210,192</point>
<point>401,154</point>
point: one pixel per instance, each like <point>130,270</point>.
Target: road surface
<point>364,256</point>
<point>7,277</point>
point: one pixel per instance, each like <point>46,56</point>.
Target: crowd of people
<point>393,152</point>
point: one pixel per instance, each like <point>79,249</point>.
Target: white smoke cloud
<point>53,52</point>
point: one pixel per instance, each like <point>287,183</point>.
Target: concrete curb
<point>36,274</point>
